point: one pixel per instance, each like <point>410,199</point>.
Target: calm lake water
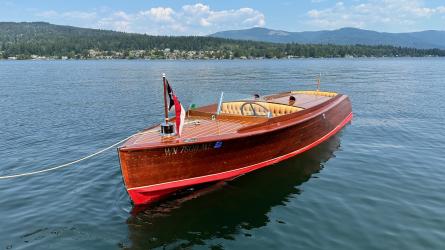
<point>379,184</point>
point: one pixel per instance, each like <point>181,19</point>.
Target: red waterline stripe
<point>239,171</point>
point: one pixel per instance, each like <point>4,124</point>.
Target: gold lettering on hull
<point>187,149</point>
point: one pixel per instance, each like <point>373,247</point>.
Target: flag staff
<point>165,98</point>
<point>167,128</point>
<point>318,82</point>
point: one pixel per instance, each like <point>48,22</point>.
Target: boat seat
<point>234,108</point>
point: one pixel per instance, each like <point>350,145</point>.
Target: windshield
<point>209,98</point>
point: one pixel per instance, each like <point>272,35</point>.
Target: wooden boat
<point>225,140</point>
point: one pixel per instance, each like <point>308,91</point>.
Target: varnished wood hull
<point>153,172</point>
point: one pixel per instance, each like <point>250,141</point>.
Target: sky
<point>183,17</point>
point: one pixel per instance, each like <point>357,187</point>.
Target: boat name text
<point>188,149</point>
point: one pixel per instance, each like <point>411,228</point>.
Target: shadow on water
<point>225,208</point>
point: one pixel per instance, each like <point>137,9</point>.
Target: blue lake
<point>378,184</point>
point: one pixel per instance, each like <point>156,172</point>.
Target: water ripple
<point>376,185</point>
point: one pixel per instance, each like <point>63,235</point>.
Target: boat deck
<point>303,99</point>
<point>194,127</point>
<point>198,127</point>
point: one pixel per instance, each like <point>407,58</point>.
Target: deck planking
<point>301,100</point>
<point>197,127</point>
<point>194,128</point>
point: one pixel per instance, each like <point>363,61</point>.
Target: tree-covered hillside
<point>31,40</point>
<point>428,39</point>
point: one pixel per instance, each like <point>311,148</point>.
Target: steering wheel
<point>253,110</point>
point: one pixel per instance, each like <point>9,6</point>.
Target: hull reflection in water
<point>221,212</point>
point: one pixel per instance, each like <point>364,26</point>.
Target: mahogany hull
<point>152,173</point>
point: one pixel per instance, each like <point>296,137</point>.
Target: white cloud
<point>197,19</point>
<point>200,14</point>
<point>47,14</point>
<point>119,21</point>
<point>159,14</point>
<point>69,14</point>
<point>401,15</point>
<point>79,15</point>
<point>198,8</point>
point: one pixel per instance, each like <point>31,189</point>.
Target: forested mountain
<point>39,39</point>
<point>345,36</point>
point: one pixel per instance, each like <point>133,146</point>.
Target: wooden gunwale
<point>209,177</point>
<point>269,125</point>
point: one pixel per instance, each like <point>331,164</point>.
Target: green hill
<point>39,39</point>
<point>427,39</point>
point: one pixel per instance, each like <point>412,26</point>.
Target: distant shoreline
<point>44,41</point>
<point>210,59</point>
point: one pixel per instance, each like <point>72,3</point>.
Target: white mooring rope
<point>66,164</point>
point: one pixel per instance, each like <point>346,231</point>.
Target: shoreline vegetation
<point>42,41</point>
<point>168,54</point>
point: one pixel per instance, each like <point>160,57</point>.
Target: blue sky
<point>181,17</point>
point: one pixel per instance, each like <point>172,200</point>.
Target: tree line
<point>23,40</point>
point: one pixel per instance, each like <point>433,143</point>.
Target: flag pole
<point>166,127</point>
<point>165,98</point>
<point>318,82</point>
